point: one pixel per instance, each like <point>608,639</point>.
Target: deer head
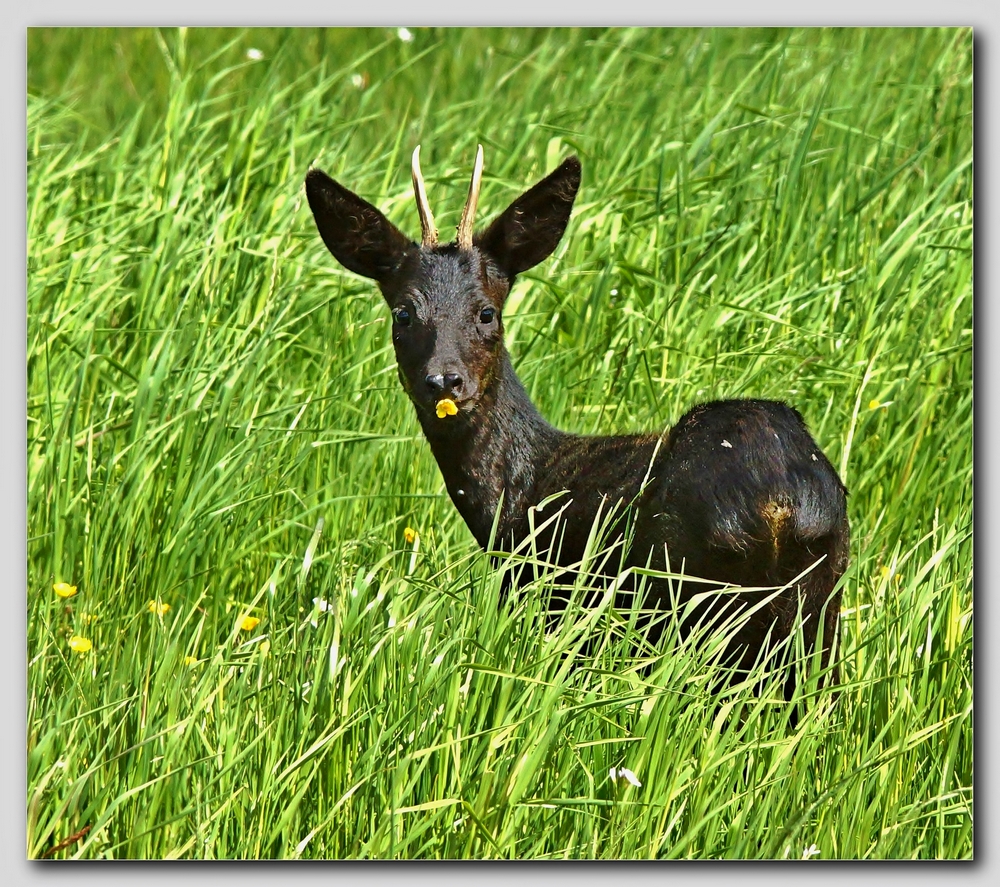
<point>446,300</point>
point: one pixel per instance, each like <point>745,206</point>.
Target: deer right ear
<point>356,233</point>
<point>531,227</point>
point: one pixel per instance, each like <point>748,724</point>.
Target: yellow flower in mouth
<point>249,623</point>
<point>410,535</point>
<point>157,608</point>
<point>79,644</point>
<point>64,589</point>
<point>446,407</point>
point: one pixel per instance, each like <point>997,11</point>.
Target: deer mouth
<point>447,409</point>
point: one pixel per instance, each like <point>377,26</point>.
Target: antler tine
<point>428,233</point>
<point>469,213</point>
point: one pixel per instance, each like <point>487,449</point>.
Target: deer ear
<point>359,236</point>
<point>530,228</point>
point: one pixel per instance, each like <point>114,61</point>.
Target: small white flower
<point>811,850</point>
<point>255,55</point>
<point>357,81</point>
<point>404,34</point>
<point>614,292</point>
<point>626,774</point>
<point>630,777</point>
<point>321,606</point>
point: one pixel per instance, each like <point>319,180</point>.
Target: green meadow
<point>275,636</point>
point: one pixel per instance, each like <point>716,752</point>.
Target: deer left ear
<point>530,228</point>
<point>359,236</point>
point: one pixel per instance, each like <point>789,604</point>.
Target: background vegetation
<point>215,432</point>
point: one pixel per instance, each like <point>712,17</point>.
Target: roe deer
<point>737,492</point>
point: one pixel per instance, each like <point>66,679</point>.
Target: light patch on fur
<point>727,444</point>
<point>776,515</point>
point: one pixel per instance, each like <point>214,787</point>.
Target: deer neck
<point>493,453</point>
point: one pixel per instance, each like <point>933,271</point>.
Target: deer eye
<point>403,316</point>
<point>487,315</point>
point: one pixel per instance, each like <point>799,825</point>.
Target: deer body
<point>737,492</point>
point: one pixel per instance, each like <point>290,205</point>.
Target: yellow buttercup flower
<point>874,404</point>
<point>410,535</point>
<point>191,660</point>
<point>446,407</point>
<point>79,644</point>
<point>158,608</point>
<point>249,623</point>
<point>888,574</point>
<point>64,589</point>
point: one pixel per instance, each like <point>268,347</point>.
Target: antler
<point>469,213</point>
<point>428,233</point>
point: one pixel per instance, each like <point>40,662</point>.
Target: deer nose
<point>447,383</point>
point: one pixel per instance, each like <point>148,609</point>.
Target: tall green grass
<point>214,424</point>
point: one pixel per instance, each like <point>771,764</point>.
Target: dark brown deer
<point>737,492</point>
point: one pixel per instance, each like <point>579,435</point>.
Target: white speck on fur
<point>727,444</point>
